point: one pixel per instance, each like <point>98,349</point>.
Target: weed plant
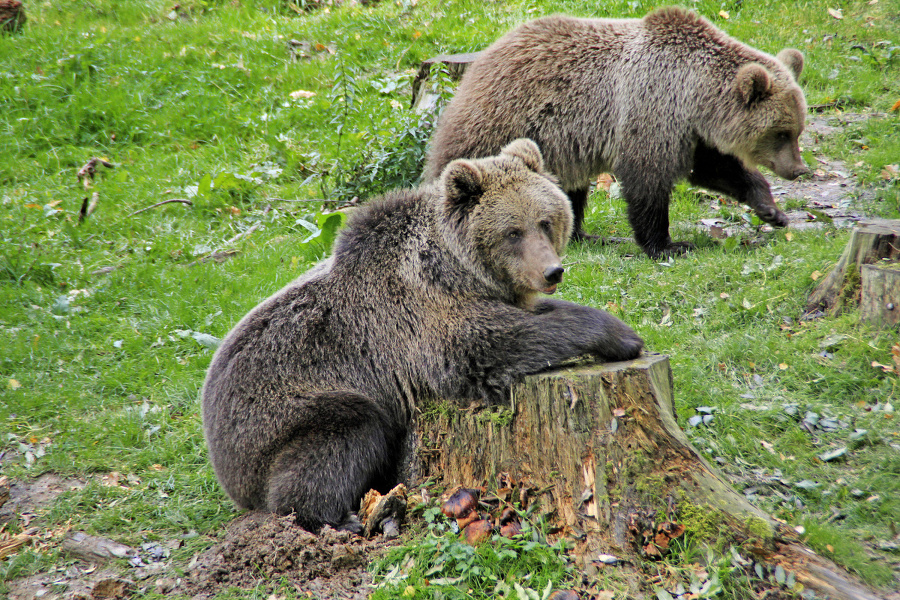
<point>265,116</point>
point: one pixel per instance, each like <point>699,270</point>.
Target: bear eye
<point>514,235</point>
<point>547,228</point>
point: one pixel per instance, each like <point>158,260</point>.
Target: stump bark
<point>872,241</point>
<point>600,446</point>
<point>879,302</point>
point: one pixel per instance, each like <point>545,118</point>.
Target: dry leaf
<point>896,106</point>
<point>885,368</point>
<point>836,13</point>
<point>297,94</point>
<point>783,366</point>
<point>724,296</point>
<point>815,275</point>
<point>724,14</point>
<point>789,236</point>
<point>13,384</point>
<point>605,180</point>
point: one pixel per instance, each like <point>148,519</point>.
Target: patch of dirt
<point>260,548</point>
<point>25,500</point>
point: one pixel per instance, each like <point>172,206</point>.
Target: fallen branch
<point>86,173</point>
<point>11,545</point>
<point>220,252</point>
<point>94,549</point>
<point>87,209</point>
<point>182,201</point>
<point>307,200</point>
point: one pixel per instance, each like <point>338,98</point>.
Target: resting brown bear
<point>430,293</point>
<point>652,100</point>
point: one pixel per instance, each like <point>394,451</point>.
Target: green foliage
<point>265,118</point>
<point>441,565</point>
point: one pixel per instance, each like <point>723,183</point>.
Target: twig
<point>304,200</point>
<point>188,202</point>
<point>86,173</point>
<point>88,208</point>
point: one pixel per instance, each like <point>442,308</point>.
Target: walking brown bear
<point>430,293</point>
<point>652,100</point>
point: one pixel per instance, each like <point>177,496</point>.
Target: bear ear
<point>528,151</point>
<point>462,184</point>
<point>793,60</point>
<point>753,83</point>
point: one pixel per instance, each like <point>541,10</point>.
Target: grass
<point>100,320</point>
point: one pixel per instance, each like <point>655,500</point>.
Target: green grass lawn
<point>264,114</point>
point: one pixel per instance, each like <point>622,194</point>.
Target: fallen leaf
<point>297,94</point>
<point>829,456</point>
<point>896,106</point>
<point>605,180</point>
<point>724,296</point>
<point>885,368</point>
<point>14,385</point>
<point>724,14</point>
<point>783,366</point>
<point>837,13</point>
<point>789,236</point>
<point>815,275</point>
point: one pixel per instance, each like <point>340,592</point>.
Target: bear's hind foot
<point>352,524</point>
<point>585,238</point>
<point>671,249</point>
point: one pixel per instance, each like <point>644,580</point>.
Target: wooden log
<point>880,294</point>
<point>601,446</point>
<point>872,240</point>
<point>95,549</point>
<point>12,544</point>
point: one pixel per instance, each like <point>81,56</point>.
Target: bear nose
<point>553,274</point>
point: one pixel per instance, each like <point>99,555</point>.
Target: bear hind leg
<point>344,446</point>
<point>579,198</point>
<point>648,212</point>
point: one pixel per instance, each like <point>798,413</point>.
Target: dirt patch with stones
<point>259,548</point>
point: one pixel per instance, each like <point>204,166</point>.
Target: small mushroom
<point>477,531</point>
<point>460,504</point>
<point>509,522</point>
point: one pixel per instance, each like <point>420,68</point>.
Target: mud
<point>260,549</point>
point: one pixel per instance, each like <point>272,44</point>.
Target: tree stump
<point>879,302</point>
<point>600,447</point>
<point>872,241</point>
<point>455,64</point>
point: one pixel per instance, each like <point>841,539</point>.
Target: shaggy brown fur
<point>432,293</point>
<point>652,100</point>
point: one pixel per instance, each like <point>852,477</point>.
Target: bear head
<point>507,220</point>
<point>769,113</point>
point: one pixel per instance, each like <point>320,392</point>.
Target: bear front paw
<point>774,217</point>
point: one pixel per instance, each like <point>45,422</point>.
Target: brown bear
<point>652,100</point>
<point>429,293</point>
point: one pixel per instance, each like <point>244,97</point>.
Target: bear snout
<point>553,274</point>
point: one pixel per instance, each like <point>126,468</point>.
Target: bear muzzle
<point>553,275</point>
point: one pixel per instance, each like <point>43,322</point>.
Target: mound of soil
<point>260,548</point>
